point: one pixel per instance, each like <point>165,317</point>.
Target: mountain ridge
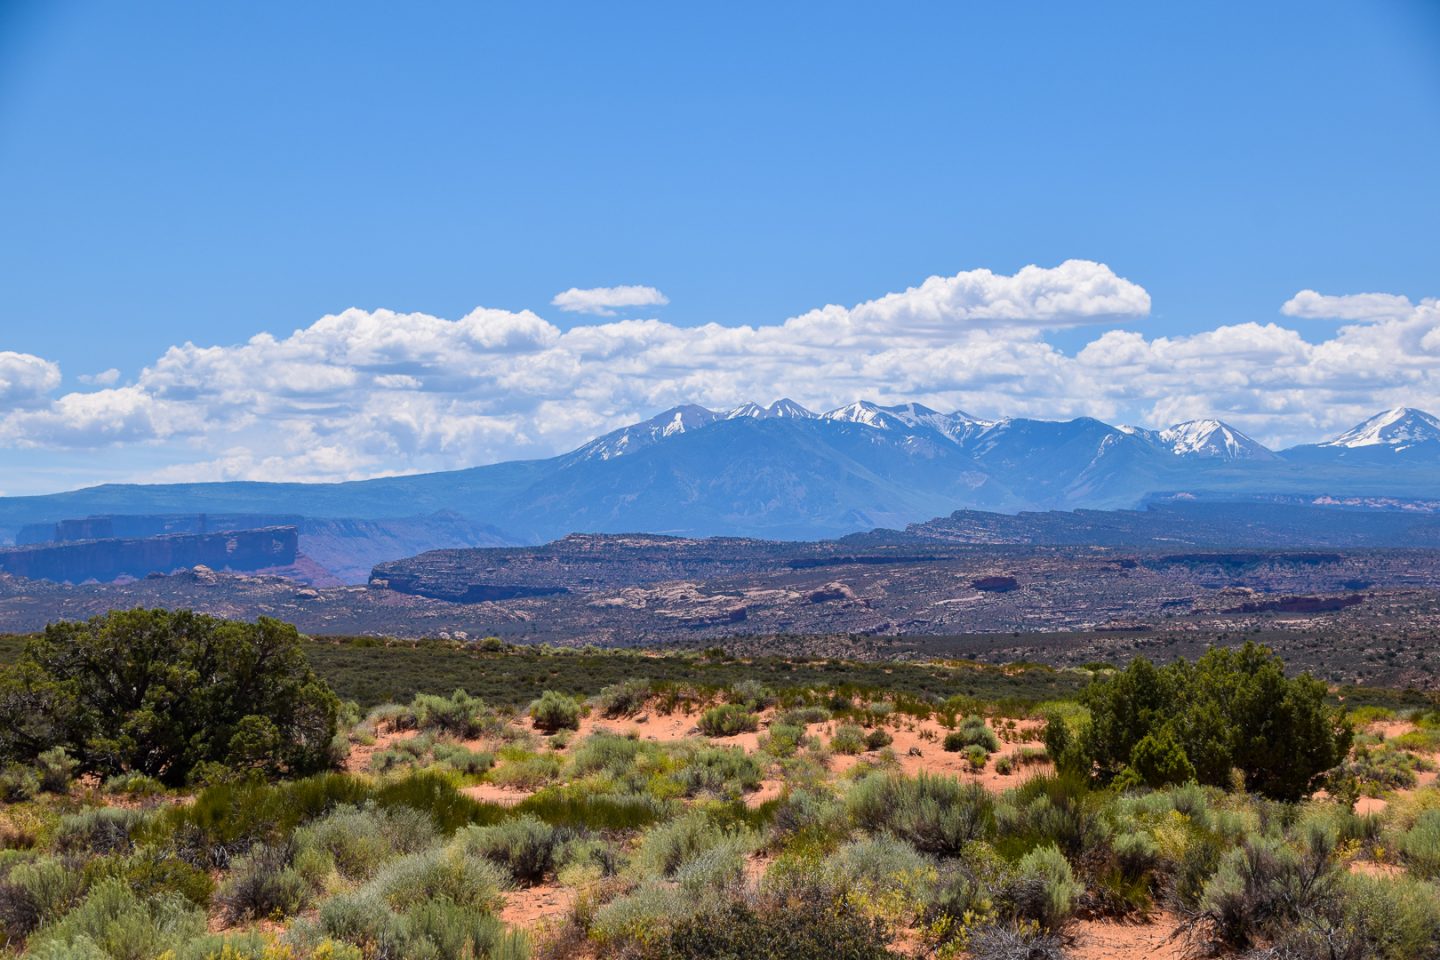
<point>783,471</point>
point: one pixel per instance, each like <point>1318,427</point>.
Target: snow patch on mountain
<point>1400,428</point>
<point>1212,439</point>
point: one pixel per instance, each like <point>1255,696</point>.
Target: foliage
<point>935,814</point>
<point>159,692</point>
<point>1229,710</point>
<point>727,720</point>
<point>554,711</point>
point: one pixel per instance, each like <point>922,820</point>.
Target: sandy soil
<point>533,905</point>
<point>1107,940</point>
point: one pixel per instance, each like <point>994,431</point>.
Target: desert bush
<point>1264,886</point>
<point>1045,889</point>
<point>877,739</point>
<point>803,716</point>
<point>37,892</point>
<point>976,757</point>
<point>1013,941</point>
<point>115,924</point>
<point>239,694</point>
<point>261,885</point>
<point>724,771</point>
<point>55,769</point>
<point>728,720</point>
<point>1420,845</point>
<point>459,715</point>
<point>666,847</point>
<point>523,770</point>
<point>935,814</point>
<point>1059,809</point>
<point>525,846</point>
<point>752,695</point>
<point>623,699</point>
<point>448,872</point>
<point>18,783</point>
<point>782,740</point>
<point>133,784</point>
<point>554,711</point>
<point>813,811</point>
<point>463,759</point>
<point>972,732</point>
<point>884,873</point>
<point>848,739</point>
<point>358,840</point>
<point>97,830</point>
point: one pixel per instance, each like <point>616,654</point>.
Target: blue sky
<point>205,173</point>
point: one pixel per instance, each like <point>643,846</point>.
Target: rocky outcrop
<point>111,559</point>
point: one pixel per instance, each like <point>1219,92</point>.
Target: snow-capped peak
<point>782,409</point>
<point>1401,427</point>
<point>861,411</point>
<point>637,436</point>
<point>1211,439</point>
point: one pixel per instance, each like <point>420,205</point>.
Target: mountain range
<point>784,472</point>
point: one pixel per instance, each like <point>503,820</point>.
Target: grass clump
<point>553,711</point>
<point>728,720</point>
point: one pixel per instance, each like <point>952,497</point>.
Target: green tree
<point>159,692</point>
<point>1231,709</point>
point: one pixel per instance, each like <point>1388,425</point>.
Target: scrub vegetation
<point>691,808</point>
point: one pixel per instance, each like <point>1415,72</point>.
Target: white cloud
<point>1358,307</point>
<point>364,393</point>
<point>105,378</point>
<point>603,301</point>
<point>25,379</point>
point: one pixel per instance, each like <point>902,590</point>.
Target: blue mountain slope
<point>784,472</point>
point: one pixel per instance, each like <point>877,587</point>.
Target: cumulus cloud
<point>1076,292</point>
<point>364,393</point>
<point>105,378</point>
<point>1357,307</point>
<point>25,379</point>
<point>604,301</point>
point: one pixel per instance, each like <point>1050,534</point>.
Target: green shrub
<point>623,699</point>
<point>973,732</point>
<point>462,759</point>
<point>35,893</point>
<point>848,739</point>
<point>459,715</point>
<point>55,769</point>
<point>1046,890</point>
<point>522,770</point>
<point>728,720</point>
<point>976,757</point>
<point>555,711</point>
<point>525,846</point>
<point>262,885</point>
<point>1231,709</point>
<point>359,840</point>
<point>134,784</point>
<point>724,771</point>
<point>18,783</point>
<point>801,922</point>
<point>666,847</point>
<point>1421,845</point>
<point>1158,760</point>
<point>235,693</point>
<point>98,830</point>
<point>440,873</point>
<point>935,814</point>
<point>114,923</point>
<point>877,739</point>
